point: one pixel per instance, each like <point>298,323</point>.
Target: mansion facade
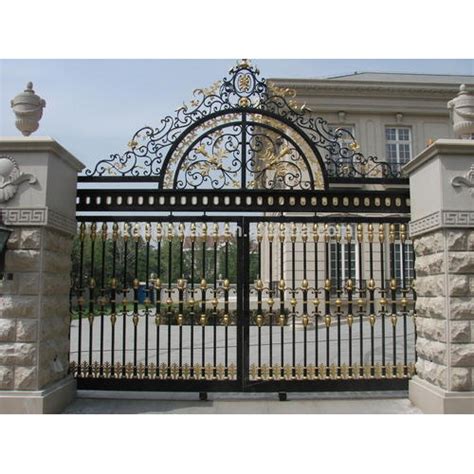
<point>390,116</point>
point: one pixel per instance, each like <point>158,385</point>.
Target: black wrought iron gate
<point>233,264</point>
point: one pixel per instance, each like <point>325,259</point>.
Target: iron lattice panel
<point>253,303</point>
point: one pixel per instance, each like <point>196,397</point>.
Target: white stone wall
<point>445,308</point>
<point>34,293</point>
<point>34,309</point>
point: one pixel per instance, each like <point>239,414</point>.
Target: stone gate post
<point>37,202</point>
<point>442,228</point>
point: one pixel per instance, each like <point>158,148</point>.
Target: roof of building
<point>381,80</point>
<point>405,77</point>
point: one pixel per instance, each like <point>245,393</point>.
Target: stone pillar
<point>38,179</point>
<point>442,228</point>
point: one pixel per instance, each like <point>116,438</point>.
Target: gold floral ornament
<point>289,94</point>
<point>214,161</point>
<point>354,146</point>
<point>306,151</point>
<point>244,82</point>
<point>271,161</point>
<point>199,94</point>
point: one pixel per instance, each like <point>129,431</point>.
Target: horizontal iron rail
<point>118,179</point>
<point>402,219</point>
<point>337,200</point>
<point>235,386</point>
<point>155,179</point>
<point>359,180</point>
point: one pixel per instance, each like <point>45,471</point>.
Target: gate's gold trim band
<point>220,372</point>
<point>152,371</point>
<point>331,372</point>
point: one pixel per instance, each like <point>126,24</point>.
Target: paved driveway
<point>298,403</point>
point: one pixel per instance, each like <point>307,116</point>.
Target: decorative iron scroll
<point>244,133</point>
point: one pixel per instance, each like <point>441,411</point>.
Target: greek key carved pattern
<point>458,218</point>
<point>41,216</point>
<point>441,219</point>
<point>25,216</point>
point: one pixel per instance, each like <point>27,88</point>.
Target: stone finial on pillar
<point>462,113</point>
<point>28,108</point>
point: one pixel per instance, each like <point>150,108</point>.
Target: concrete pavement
<point>101,402</point>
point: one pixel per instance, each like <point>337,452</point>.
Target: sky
<point>93,107</point>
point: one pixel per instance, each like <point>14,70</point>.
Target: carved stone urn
<point>28,108</point>
<point>462,113</point>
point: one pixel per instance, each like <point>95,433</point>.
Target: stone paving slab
<point>241,403</point>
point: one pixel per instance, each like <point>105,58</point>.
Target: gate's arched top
<point>241,133</point>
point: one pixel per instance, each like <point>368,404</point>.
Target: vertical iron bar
<point>192,313</point>
<point>327,289</point>
<point>362,294</point>
<point>305,286</point>
<point>80,299</point>
<point>227,318</point>
<point>404,301</point>
<point>113,295</point>
<point>91,294</point>
<point>338,294</point>
<point>282,286</point>
<point>136,285</point>
<point>124,297</point>
<point>243,252</point>
<point>382,287</point>
<point>259,318</point>
<point>102,298</point>
<point>316,295</point>
<point>349,287</point>
<point>158,283</point>
<point>243,348</point>
<point>371,287</point>
<point>393,292</point>
<point>293,297</point>
<point>147,291</point>
<point>270,294</point>
<point>169,301</point>
<point>203,296</point>
<point>215,301</point>
<point>181,285</point>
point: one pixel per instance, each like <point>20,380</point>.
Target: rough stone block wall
<point>445,308</point>
<point>34,309</point>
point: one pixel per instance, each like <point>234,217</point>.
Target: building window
<point>404,268</point>
<point>398,146</point>
<point>340,273</point>
<point>339,165</point>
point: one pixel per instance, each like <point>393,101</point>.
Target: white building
<point>391,116</point>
